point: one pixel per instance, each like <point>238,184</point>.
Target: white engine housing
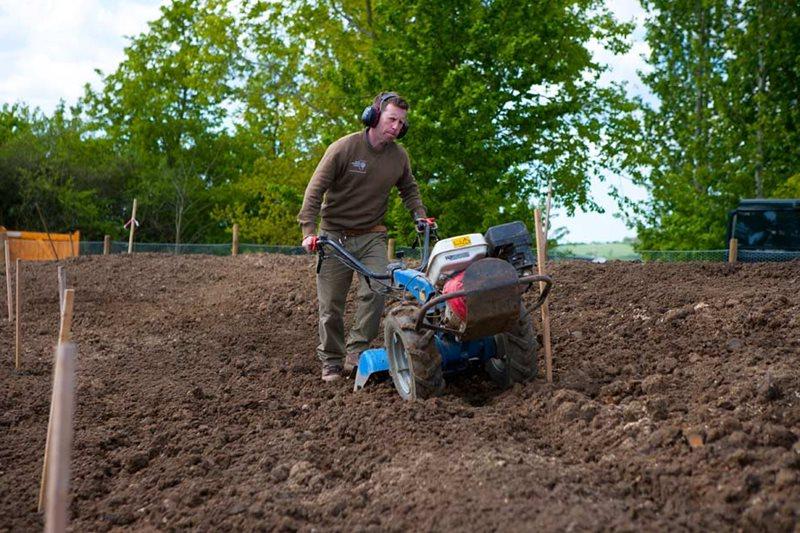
<point>454,254</point>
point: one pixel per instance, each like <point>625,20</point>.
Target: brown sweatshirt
<point>350,187</point>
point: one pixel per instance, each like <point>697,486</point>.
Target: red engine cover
<point>457,305</point>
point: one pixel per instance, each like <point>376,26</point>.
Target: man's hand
<point>423,223</point>
<point>310,243</point>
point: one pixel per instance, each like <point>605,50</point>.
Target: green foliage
<point>265,205</point>
<point>49,167</point>
<point>166,105</point>
<point>496,111</point>
<point>726,125</point>
<point>220,111</point>
<point>790,188</point>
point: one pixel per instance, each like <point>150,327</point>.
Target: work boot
<point>331,371</point>
<point>351,362</point>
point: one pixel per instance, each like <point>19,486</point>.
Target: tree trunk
<point>180,205</point>
<point>760,95</point>
<point>700,145</point>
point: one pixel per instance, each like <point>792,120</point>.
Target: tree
<point>49,171</point>
<point>762,95</point>
<point>725,127</point>
<point>273,131</point>
<point>504,95</point>
<point>167,105</point>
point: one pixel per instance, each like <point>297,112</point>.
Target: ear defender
<point>372,113</point>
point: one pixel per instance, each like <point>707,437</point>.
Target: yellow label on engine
<point>464,240</point>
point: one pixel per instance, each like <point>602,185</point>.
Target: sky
<point>49,49</point>
<point>597,227</point>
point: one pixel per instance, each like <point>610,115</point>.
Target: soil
<point>675,406</point>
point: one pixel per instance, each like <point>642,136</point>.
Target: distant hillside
<point>609,250</point>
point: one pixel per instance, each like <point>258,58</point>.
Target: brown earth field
<point>675,406</point>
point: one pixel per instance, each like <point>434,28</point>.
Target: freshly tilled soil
<point>675,406</point>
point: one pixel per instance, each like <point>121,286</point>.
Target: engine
<point>512,242</point>
<point>450,257</point>
<point>453,255</point>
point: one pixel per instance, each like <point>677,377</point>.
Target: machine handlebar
<point>345,257</point>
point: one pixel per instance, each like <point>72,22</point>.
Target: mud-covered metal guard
<point>492,291</point>
<point>370,363</point>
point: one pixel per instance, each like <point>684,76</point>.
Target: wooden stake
<point>45,462</point>
<point>391,249</point>
<point>133,227</point>
<point>733,250</point>
<point>107,245</point>
<point>63,400</point>
<point>17,340</point>
<point>8,281</point>
<point>64,335</point>
<point>62,285</point>
<point>235,245</point>
<point>65,329</point>
<point>541,257</point>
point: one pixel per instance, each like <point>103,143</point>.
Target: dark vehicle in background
<point>766,230</point>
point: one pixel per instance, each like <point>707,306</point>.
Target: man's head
<point>384,99</point>
<point>386,118</point>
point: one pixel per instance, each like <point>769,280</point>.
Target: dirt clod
<point>137,462</point>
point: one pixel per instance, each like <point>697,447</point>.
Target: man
<point>349,190</point>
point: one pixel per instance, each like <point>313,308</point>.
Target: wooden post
<point>17,338</point>
<point>62,285</point>
<point>235,245</point>
<point>65,328</point>
<point>133,227</point>
<point>62,403</point>
<point>541,257</point>
<point>107,245</point>
<point>391,249</point>
<point>733,250</point>
<point>8,281</point>
<point>64,335</point>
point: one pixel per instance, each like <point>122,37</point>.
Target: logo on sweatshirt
<point>359,166</point>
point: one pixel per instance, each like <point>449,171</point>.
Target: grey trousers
<point>333,283</point>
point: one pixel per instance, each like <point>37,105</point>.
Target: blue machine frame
<point>456,355</point>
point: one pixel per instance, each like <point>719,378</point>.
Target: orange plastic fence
<point>37,246</point>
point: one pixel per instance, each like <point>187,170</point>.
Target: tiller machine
<point>461,308</point>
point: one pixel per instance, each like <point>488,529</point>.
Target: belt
<point>357,232</point>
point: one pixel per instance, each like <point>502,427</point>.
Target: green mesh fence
<point>121,247</point>
<point>745,256</point>
<point>765,256</point>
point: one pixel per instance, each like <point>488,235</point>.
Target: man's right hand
<point>310,243</point>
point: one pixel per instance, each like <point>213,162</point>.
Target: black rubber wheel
<point>515,361</point>
<point>414,362</point>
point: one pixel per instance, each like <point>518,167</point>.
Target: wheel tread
<point>519,359</point>
<point>424,360</point>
